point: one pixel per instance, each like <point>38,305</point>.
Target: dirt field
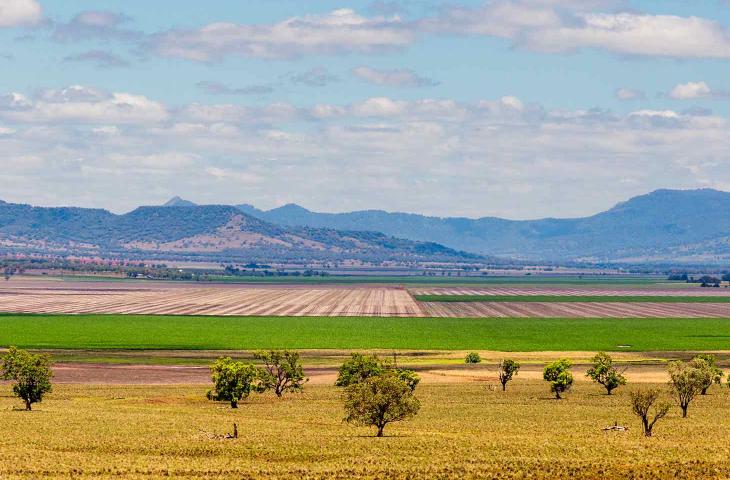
<point>25,295</point>
<point>48,296</point>
<point>576,310</point>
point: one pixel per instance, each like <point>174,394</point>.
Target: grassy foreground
<point>463,431</point>
<point>575,298</point>
<point>242,333</point>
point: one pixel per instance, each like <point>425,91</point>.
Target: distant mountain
<point>662,226</point>
<point>179,202</point>
<point>213,232</point>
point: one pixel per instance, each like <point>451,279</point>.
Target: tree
<point>361,367</point>
<point>473,357</point>
<point>283,371</point>
<point>642,402</point>
<point>560,378</point>
<point>233,381</point>
<point>380,400</point>
<point>604,373</point>
<point>687,380</point>
<point>30,373</point>
<point>713,373</point>
<point>507,370</point>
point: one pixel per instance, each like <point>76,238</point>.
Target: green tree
<point>642,402</point>
<point>713,375</point>
<point>380,400</point>
<point>30,373</point>
<point>604,373</point>
<point>473,357</point>
<point>560,378</point>
<point>359,368</point>
<point>507,370</point>
<point>282,371</point>
<point>687,380</point>
<point>233,381</point>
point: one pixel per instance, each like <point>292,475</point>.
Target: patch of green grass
<point>575,298</point>
<point>141,332</point>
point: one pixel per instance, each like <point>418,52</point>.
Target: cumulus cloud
<point>81,104</point>
<point>98,58</point>
<point>690,91</point>
<point>626,94</point>
<point>341,31</point>
<point>403,77</point>
<point>557,26</point>
<point>15,13</point>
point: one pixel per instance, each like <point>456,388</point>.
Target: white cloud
<point>83,105</point>
<point>626,94</point>
<point>340,31</point>
<point>556,26</point>
<point>403,77</point>
<point>690,91</point>
<point>19,12</point>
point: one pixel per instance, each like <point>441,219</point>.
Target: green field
<point>243,333</point>
<point>575,298</point>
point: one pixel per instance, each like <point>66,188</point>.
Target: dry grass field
<point>464,431</point>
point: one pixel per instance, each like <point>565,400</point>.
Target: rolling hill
<point>212,232</point>
<point>663,226</point>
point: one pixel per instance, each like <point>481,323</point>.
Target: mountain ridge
<point>664,224</point>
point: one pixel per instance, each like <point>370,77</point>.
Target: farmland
<point>242,333</point>
<point>463,431</point>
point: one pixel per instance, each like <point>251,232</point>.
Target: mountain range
<point>212,232</point>
<point>662,226</point>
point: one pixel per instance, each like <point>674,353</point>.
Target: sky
<point>512,108</point>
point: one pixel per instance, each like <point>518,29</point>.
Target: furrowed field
<point>241,333</point>
<point>462,431</point>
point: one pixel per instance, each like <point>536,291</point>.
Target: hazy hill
<point>213,231</point>
<point>665,225</point>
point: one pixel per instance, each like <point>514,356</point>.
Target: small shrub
<point>560,378</point>
<point>30,373</point>
<point>507,370</point>
<point>642,402</point>
<point>473,357</point>
<point>380,400</point>
<point>604,373</point>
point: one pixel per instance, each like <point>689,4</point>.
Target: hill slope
<point>213,231</point>
<point>665,225</point>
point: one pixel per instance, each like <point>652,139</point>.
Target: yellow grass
<point>463,431</point>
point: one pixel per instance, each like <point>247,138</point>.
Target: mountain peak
<point>179,202</point>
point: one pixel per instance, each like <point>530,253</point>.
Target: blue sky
<point>516,108</point>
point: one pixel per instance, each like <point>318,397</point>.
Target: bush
<point>604,373</point>
<point>560,378</point>
<point>380,400</point>
<point>473,357</point>
<point>642,402</point>
<point>507,370</point>
<point>233,381</point>
<point>282,371</point>
<point>30,373</point>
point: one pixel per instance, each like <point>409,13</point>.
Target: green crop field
<point>242,333</point>
<point>575,298</point>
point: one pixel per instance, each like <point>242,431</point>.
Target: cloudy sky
<point>515,108</point>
